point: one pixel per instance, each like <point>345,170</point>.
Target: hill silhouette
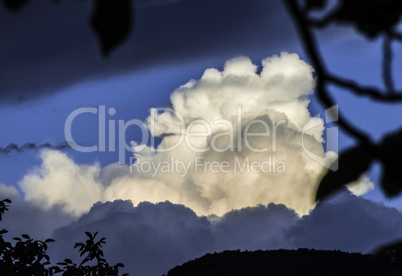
<point>287,262</point>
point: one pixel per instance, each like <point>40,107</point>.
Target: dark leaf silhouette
<point>15,5</point>
<point>390,184</point>
<point>352,164</point>
<point>89,235</point>
<point>370,16</point>
<point>111,21</point>
<point>390,152</point>
<point>3,206</point>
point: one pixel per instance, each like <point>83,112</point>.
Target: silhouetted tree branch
<point>372,19</point>
<point>387,64</point>
<point>311,48</point>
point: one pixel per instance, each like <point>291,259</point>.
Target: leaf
<point>25,236</point>
<point>390,151</point>
<point>370,16</point>
<point>89,235</point>
<point>84,261</point>
<point>111,21</point>
<point>352,164</point>
<point>7,200</point>
<point>68,261</point>
<point>315,4</point>
<point>389,183</point>
<point>15,5</point>
<point>57,269</point>
<point>49,240</point>
<point>4,231</point>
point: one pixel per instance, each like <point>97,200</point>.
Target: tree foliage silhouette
<point>28,256</point>
<point>372,19</point>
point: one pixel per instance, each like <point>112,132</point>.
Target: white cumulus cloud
<point>216,167</point>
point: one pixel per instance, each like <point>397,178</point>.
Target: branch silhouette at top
<point>372,18</point>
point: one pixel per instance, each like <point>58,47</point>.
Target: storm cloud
<point>153,238</point>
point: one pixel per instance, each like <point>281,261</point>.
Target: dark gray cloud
<point>152,238</point>
<point>253,228</point>
<point>46,46</point>
<point>348,223</point>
